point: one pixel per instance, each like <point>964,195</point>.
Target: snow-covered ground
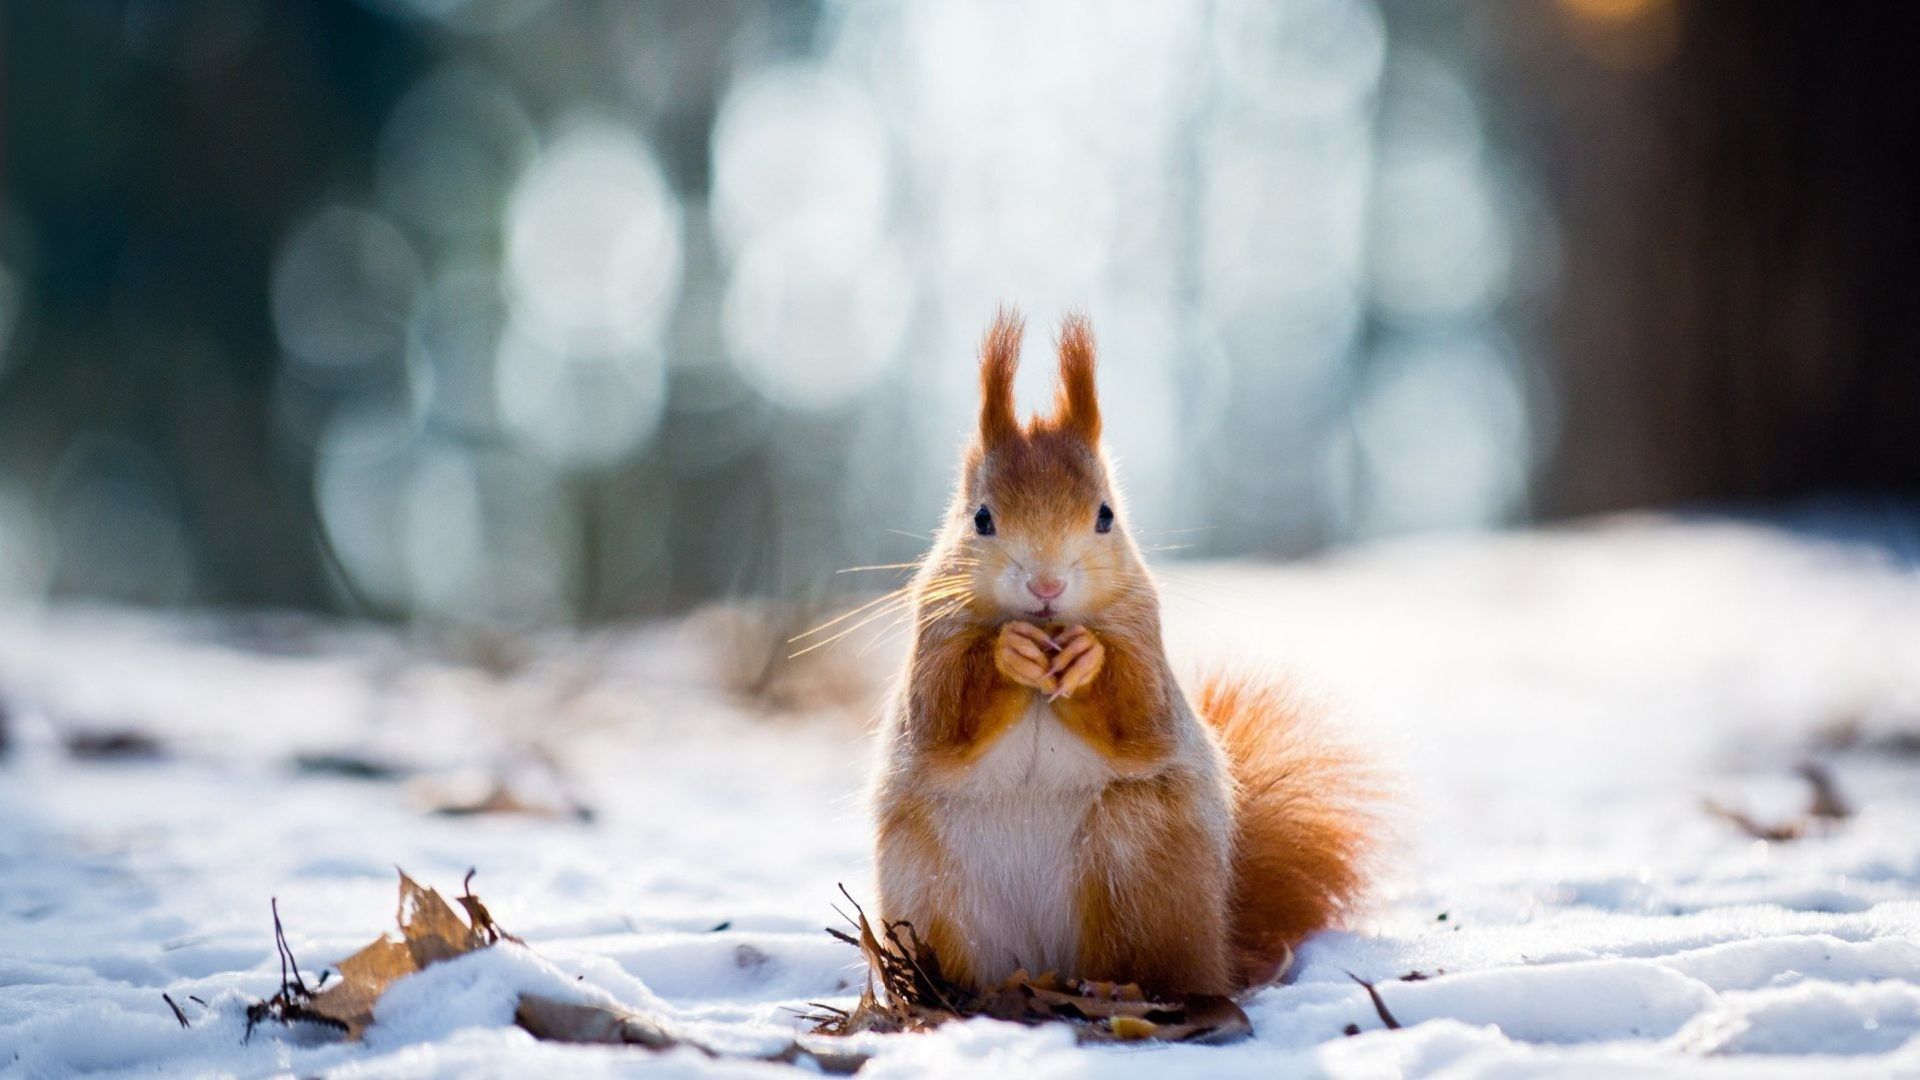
<point>1558,703</point>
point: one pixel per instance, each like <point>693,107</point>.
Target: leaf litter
<point>905,992</point>
<point>430,932</point>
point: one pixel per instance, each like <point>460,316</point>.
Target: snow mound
<point>1559,703</point>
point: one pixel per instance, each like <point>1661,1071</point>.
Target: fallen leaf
<point>430,932</point>
<point>575,1022</point>
<point>572,1022</point>
<point>431,929</point>
<point>364,976</point>
<point>479,916</point>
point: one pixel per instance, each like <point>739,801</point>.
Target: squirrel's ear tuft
<point>999,359</point>
<point>1077,408</point>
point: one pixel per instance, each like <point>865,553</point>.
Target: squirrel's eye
<point>983,521</point>
<point>1103,521</point>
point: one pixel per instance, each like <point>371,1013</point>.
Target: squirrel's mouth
<point>1046,612</point>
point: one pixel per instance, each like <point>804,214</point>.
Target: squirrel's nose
<point>1046,588</point>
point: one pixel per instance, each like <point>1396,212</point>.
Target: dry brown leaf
<point>433,932</point>
<point>478,915</point>
<point>364,976</point>
<point>430,932</point>
<point>573,1022</point>
<point>1209,1021</point>
<point>906,991</point>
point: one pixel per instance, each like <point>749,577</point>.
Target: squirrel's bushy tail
<point>1307,818</point>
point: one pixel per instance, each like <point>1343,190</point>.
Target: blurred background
<point>523,312</point>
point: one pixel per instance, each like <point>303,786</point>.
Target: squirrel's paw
<point>1021,656</point>
<point>1080,658</point>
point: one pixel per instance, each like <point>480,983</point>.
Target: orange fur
<point>1050,798</point>
<point>957,686</point>
<point>1125,712</point>
<point>907,837</point>
<point>1304,816</point>
<point>1144,869</point>
<point>999,357</point>
<point>1078,405</point>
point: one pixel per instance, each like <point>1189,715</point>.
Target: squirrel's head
<point>1037,524</point>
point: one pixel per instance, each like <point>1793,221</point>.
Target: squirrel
<point>1049,799</point>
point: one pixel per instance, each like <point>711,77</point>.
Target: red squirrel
<point>1050,799</point>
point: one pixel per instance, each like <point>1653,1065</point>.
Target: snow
<point>1558,703</point>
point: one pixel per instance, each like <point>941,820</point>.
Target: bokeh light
<point>695,309</point>
<point>593,241</point>
<point>24,552</point>
<point>1441,224</point>
<point>458,323</point>
<point>451,150</point>
<point>360,471</point>
<point>578,409</point>
<point>1311,60</point>
<point>812,321</point>
<point>342,287</point>
<point>793,145</point>
<point>116,524</point>
<point>1443,438</point>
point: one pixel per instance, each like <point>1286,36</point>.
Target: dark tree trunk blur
<point>1735,185</point>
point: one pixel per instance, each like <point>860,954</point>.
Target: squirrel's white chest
<point>1037,752</point>
<point>1012,830</point>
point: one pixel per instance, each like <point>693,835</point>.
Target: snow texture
<point>1558,705</point>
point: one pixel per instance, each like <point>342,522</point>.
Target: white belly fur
<point>1011,828</point>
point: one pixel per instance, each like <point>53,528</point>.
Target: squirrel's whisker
<point>899,600</point>
<point>843,634</point>
<point>960,600</point>
<point>913,565</point>
<point>896,594</point>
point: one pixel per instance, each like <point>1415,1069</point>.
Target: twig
<point>1746,823</point>
<point>1825,806</point>
<point>1827,803</point>
<point>478,915</point>
<point>287,962</point>
<point>1379,1005</point>
<point>290,1002</point>
<point>177,1014</point>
